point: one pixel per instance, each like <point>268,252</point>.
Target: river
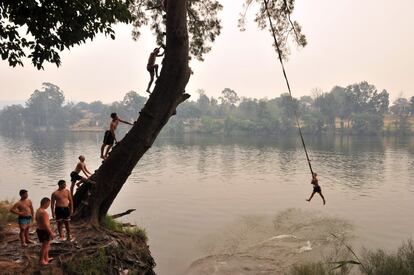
<point>190,190</point>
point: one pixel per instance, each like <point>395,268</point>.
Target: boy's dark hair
<point>61,182</point>
<point>44,201</point>
<point>22,192</point>
<point>113,115</point>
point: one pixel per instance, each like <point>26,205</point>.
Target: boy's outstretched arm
<point>86,171</point>
<point>126,122</point>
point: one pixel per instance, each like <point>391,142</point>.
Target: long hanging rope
<point>288,85</point>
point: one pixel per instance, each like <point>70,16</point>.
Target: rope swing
<point>288,85</point>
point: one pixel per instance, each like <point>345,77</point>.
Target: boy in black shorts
<point>77,179</point>
<point>62,209</point>
<point>316,188</point>
<point>44,231</point>
<point>109,137</point>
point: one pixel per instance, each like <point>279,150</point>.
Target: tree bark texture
<point>93,202</point>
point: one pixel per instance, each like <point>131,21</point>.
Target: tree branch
<point>116,216</point>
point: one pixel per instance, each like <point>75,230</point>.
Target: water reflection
<point>188,186</point>
<point>48,153</point>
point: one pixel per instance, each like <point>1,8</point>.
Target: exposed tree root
<point>94,251</point>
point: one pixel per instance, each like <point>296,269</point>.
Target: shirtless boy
<point>109,137</point>
<point>316,188</point>
<point>62,209</point>
<point>77,179</point>
<point>44,231</point>
<point>24,209</point>
<point>152,68</point>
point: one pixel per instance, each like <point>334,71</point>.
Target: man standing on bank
<point>62,209</point>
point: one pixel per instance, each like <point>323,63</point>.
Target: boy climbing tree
<point>152,68</point>
<point>110,137</point>
<point>75,176</point>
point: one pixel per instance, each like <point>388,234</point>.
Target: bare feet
<point>24,244</point>
<point>61,238</point>
<point>29,242</point>
<point>70,238</point>
<point>50,259</point>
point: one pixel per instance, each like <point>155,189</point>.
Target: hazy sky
<point>348,41</point>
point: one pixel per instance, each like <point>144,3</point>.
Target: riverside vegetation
<point>356,109</point>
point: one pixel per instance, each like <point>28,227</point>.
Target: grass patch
<point>5,216</point>
<point>136,232</point>
<point>88,265</point>
<point>133,231</point>
<point>311,269</point>
<point>378,262</point>
<point>111,224</point>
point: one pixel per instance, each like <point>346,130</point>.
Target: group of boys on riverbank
<point>62,209</point>
<point>61,202</point>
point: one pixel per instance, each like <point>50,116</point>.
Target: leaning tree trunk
<point>168,93</point>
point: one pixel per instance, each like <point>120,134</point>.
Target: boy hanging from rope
<point>316,188</point>
<point>152,68</point>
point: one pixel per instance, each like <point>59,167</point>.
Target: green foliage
<point>5,216</point>
<point>111,224</point>
<point>136,233</point>
<point>400,107</point>
<point>382,263</point>
<point>212,125</point>
<point>88,265</point>
<point>203,23</point>
<point>365,97</point>
<point>342,109</point>
<point>402,125</point>
<point>44,28</point>
<point>44,108</point>
<point>12,118</point>
<point>412,105</point>
<point>367,123</point>
<point>311,269</point>
<point>133,231</point>
<point>376,262</point>
<point>229,97</point>
<point>52,26</point>
<point>286,30</point>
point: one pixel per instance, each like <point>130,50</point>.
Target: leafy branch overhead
<point>286,29</point>
<point>203,23</point>
<point>40,30</point>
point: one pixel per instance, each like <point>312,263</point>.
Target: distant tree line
<point>46,109</point>
<point>356,109</point>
